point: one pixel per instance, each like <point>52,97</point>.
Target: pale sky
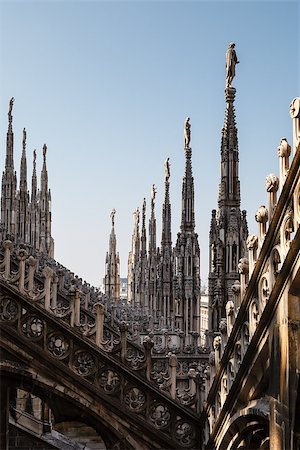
<point>107,86</point>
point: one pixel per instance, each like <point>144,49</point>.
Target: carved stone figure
<point>112,215</point>
<point>231,61</point>
<point>187,132</point>
<point>261,215</point>
<point>136,216</point>
<point>11,103</point>
<point>167,169</point>
<point>284,148</point>
<point>272,183</point>
<point>153,192</point>
<point>24,137</point>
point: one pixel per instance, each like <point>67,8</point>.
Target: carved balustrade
<point>52,287</point>
<point>271,253</point>
<point>58,346</point>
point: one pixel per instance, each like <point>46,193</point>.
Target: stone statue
<point>44,151</point>
<point>11,102</point>
<point>24,138</point>
<point>187,132</point>
<point>112,215</point>
<point>153,192</point>
<point>167,169</point>
<point>231,61</point>
<point>136,216</point>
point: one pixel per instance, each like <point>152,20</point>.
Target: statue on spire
<point>112,215</point>
<point>167,169</point>
<point>11,103</point>
<point>24,138</point>
<point>144,210</point>
<point>136,216</point>
<point>153,193</point>
<point>44,151</point>
<point>231,61</point>
<point>187,133</point>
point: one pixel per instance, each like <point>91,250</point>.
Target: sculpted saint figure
<point>231,61</point>
<point>11,102</point>
<point>187,132</point>
<point>112,215</point>
<point>167,169</point>
<point>153,192</point>
<point>24,137</point>
<point>136,216</point>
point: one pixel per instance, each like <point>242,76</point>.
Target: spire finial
<point>167,169</point>
<point>112,215</point>
<point>153,194</point>
<point>44,152</point>
<point>34,157</point>
<point>231,61</point>
<point>144,212</point>
<point>187,133</point>
<point>24,139</point>
<point>136,215</point>
<point>11,103</point>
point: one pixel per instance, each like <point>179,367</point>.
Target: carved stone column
<point>99,311</point>
<point>244,272</point>
<point>261,217</point>
<point>284,151</point>
<point>295,115</point>
<point>173,367</point>
<point>148,345</point>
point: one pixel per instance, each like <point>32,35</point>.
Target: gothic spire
<point>152,223</point>
<point>44,173</point>
<point>166,238</point>
<point>187,215</point>
<point>112,273</point>
<point>229,192</point>
<point>23,168</point>
<point>9,162</point>
<point>34,179</point>
<point>143,231</point>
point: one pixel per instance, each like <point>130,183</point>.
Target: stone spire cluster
<point>228,230</point>
<point>26,218</point>
<point>164,282</point>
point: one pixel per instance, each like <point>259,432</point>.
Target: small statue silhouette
<point>187,132</point>
<point>231,61</point>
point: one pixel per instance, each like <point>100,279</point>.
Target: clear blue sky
<point>107,85</point>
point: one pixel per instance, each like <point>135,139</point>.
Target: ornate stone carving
<point>135,399</point>
<point>295,108</point>
<point>243,266</point>
<point>160,416</point>
<point>83,363</point>
<point>32,327</point>
<point>284,148</point>
<point>217,343</point>
<point>261,215</point>
<point>58,345</point>
<point>252,242</point>
<point>8,309</point>
<point>272,183</point>
<point>109,381</point>
<point>185,433</point>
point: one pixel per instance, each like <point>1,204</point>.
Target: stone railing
<point>82,308</point>
<point>272,254</point>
